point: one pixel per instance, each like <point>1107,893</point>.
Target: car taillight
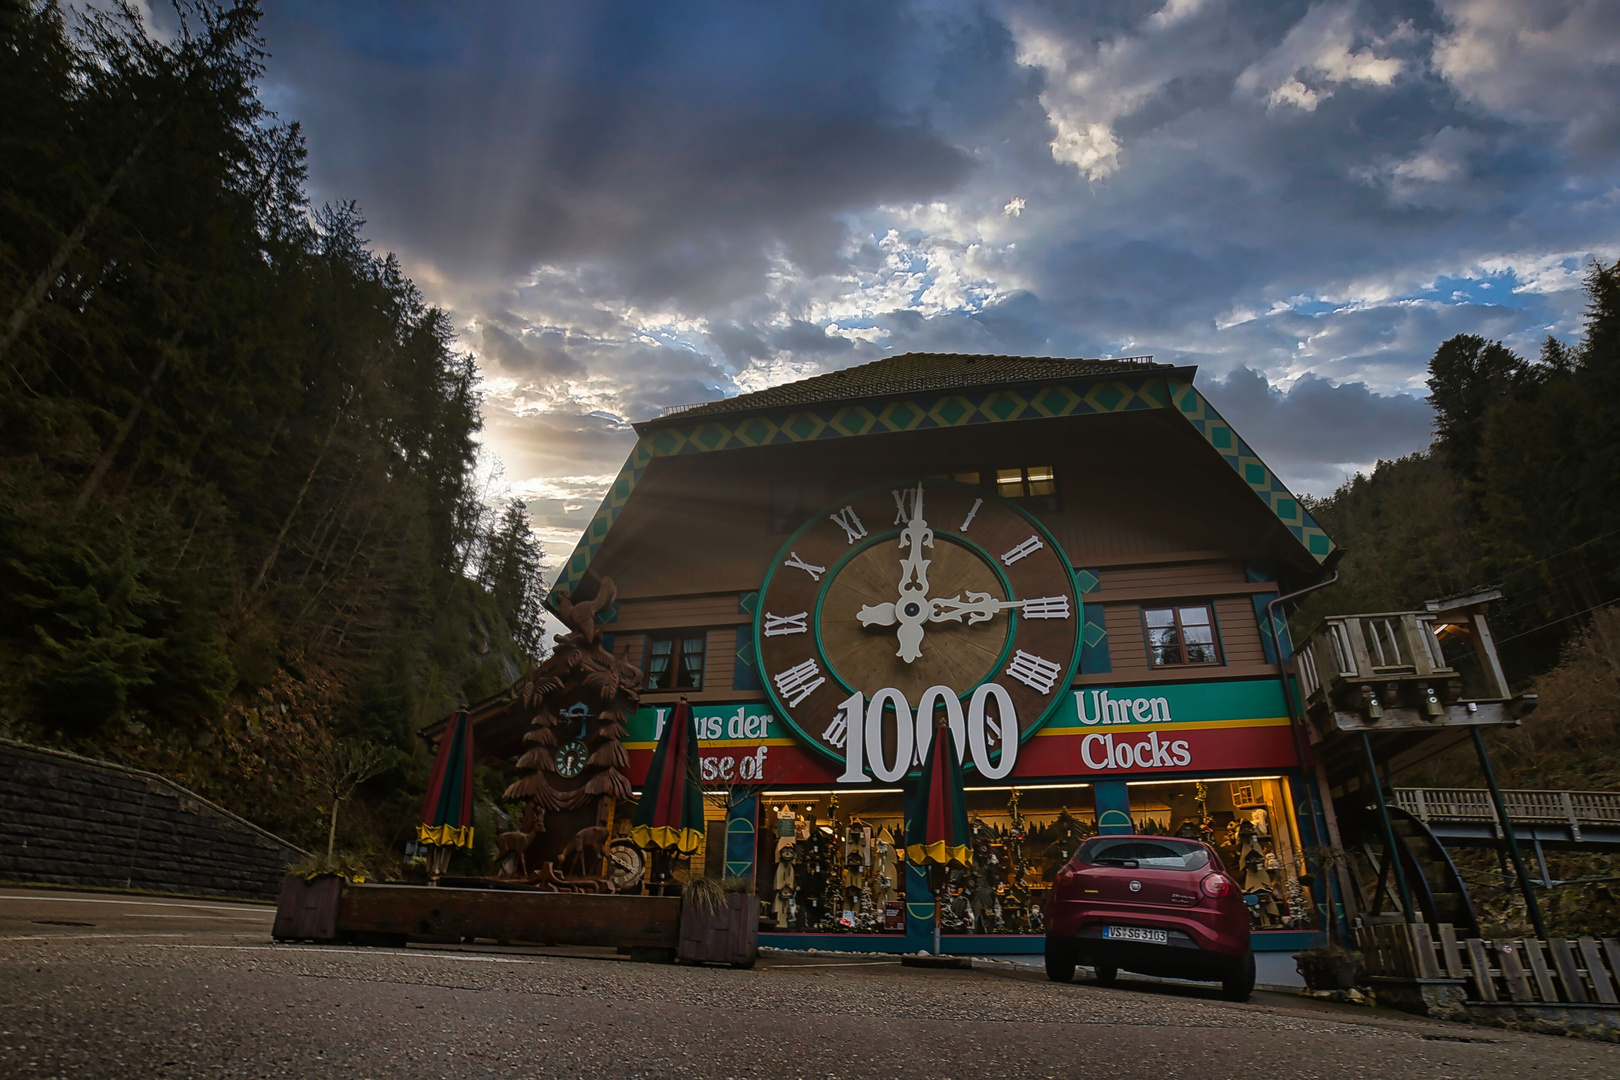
<point>1217,885</point>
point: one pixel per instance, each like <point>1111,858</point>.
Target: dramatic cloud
<point>627,207</point>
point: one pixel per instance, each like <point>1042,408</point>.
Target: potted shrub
<point>1330,967</point>
<point>719,923</point>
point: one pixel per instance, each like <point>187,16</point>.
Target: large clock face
<point>937,599</point>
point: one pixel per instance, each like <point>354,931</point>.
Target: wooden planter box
<point>727,935</point>
<point>307,910</point>
<point>328,909</point>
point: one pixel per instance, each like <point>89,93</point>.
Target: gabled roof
<point>924,391</point>
<point>912,373</point>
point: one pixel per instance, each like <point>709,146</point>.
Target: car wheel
<point>1239,981</point>
<point>1059,961</point>
<point>1107,974</point>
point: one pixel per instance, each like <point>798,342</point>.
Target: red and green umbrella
<point>938,832</point>
<point>447,810</point>
<point>670,814</point>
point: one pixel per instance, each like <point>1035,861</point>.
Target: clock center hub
<point>953,653</point>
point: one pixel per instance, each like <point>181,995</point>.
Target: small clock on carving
<point>571,759</point>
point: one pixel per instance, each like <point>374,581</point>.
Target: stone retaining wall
<point>71,820</point>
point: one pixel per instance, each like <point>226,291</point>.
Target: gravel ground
<point>179,989</point>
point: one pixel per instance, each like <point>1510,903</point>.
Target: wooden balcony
<point>1410,673</point>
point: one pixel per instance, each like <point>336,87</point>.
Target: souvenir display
<point>831,863</point>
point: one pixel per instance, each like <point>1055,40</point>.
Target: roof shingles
<point>911,373</point>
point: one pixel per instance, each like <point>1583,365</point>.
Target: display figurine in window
<point>1259,884</point>
<point>1299,905</point>
<point>1258,820</point>
<point>785,882</point>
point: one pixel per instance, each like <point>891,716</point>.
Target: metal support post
<point>1508,834</point>
<point>1541,861</point>
<point>1391,851</point>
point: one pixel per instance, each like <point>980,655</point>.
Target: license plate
<point>1136,933</point>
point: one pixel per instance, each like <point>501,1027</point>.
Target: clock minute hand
<point>912,608</point>
<point>917,535</point>
<point>978,607</point>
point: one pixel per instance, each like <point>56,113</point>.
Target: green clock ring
<point>913,592</point>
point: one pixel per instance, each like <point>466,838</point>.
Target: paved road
<point>120,986</point>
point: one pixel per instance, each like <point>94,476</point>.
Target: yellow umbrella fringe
<point>445,835</point>
<point>685,841</point>
<point>939,852</point>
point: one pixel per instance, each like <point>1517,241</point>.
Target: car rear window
<point>1157,854</point>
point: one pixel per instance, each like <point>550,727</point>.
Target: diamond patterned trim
<point>945,410</point>
<point>1209,423</point>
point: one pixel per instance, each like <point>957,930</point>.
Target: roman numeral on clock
<point>797,563</point>
<point>1033,671</point>
<point>1045,607</point>
<point>904,505</point>
<point>798,682</point>
<point>850,523</point>
<point>1028,547</point>
<point>777,625</point>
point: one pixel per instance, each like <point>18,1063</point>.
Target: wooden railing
<point>1585,971</point>
<point>1572,808</point>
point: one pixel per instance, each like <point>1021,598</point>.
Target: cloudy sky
<point>627,206</point>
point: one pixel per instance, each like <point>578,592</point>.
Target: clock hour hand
<point>978,607</point>
<point>876,615</point>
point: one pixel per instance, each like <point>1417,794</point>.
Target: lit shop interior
<point>833,862</point>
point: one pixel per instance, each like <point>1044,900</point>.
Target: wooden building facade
<point>1069,559</point>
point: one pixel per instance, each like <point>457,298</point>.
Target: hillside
<point>237,514</point>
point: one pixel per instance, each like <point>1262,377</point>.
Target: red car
<point>1158,905</point>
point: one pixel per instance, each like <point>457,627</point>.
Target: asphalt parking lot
<point>113,986</point>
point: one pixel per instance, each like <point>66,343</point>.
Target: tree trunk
<point>125,426</point>
<point>298,501</point>
<point>36,293</point>
<point>331,834</point>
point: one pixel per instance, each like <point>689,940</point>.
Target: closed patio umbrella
<point>670,814</point>
<point>447,809</point>
<point>937,834</point>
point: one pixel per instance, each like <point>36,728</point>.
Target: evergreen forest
<point>1520,492</point>
<point>242,541</point>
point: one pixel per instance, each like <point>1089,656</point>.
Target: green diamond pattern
<point>947,410</point>
<point>1108,397</point>
<point>1003,405</point>
<point>950,411</point>
<point>901,417</point>
<point>1087,580</point>
<point>1094,634</point>
<point>757,432</point>
<point>804,426</point>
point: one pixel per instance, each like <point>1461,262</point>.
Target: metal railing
<point>1473,805</point>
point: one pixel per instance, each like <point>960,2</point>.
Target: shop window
<point>1249,824</point>
<point>835,863</point>
<point>675,660</point>
<point>1184,634</point>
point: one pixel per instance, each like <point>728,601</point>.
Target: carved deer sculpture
<point>516,843</point>
<point>587,848</point>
